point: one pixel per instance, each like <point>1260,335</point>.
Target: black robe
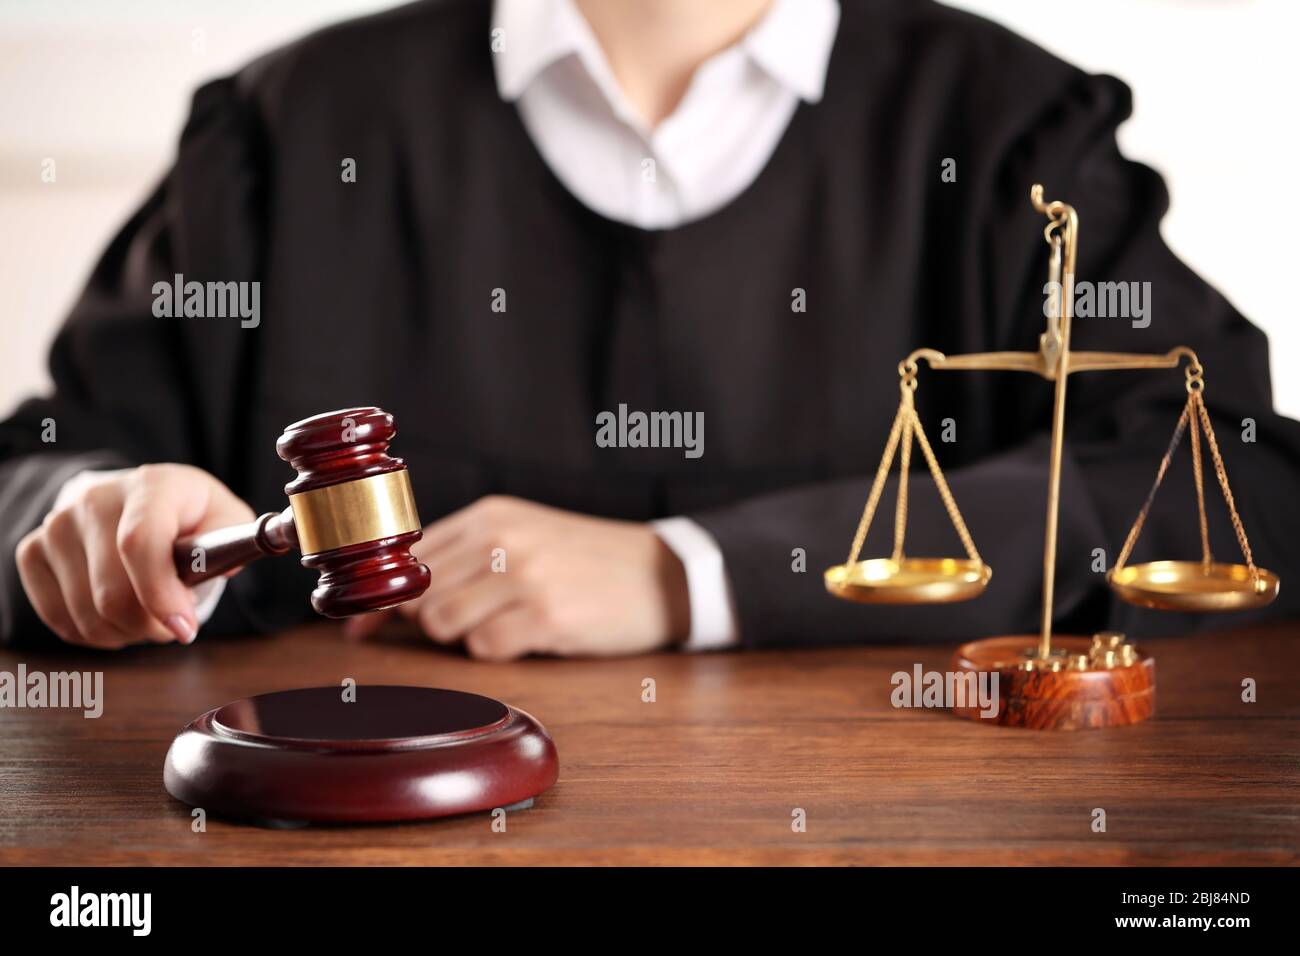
<point>382,291</point>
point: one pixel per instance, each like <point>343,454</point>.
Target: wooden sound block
<point>1066,699</point>
<point>394,753</point>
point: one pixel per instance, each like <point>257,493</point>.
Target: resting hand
<point>511,577</point>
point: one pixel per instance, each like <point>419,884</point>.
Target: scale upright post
<point>1055,350</point>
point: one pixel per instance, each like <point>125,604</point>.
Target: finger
<point>110,587</point>
<point>508,635</point>
<point>158,509</point>
<point>367,625</point>
<point>445,530</point>
<point>67,559</point>
<point>450,569</point>
<point>42,589</point>
<point>458,564</point>
<point>446,617</point>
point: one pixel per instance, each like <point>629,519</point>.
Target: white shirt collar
<point>792,43</point>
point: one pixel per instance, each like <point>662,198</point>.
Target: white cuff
<point>713,616</point>
<point>206,595</point>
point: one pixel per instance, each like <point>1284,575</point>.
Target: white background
<point>103,88</point>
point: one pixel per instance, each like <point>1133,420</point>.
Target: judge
<point>507,222</point>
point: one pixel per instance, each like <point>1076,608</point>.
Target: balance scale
<point>1070,683</point>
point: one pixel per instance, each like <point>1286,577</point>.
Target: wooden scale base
<point>394,753</point>
<point>1083,684</point>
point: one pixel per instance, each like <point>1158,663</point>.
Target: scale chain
<point>877,486</point>
<point>907,425</point>
<point>949,502</point>
<point>1136,530</point>
<point>1207,558</point>
<point>1222,475</point>
<point>904,468</point>
<point>1195,413</point>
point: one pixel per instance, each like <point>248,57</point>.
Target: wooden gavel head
<point>353,511</point>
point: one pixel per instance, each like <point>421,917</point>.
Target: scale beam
<point>1039,362</point>
<point>1118,361</point>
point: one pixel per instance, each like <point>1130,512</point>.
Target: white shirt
<point>714,144</point>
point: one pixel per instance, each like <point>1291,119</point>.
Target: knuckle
<point>532,576</point>
<point>84,510</point>
<point>500,536</point>
<point>90,509</point>
<point>26,553</point>
<point>146,475</point>
<point>484,643</point>
<point>97,498</point>
<point>59,523</point>
<point>132,539</point>
<point>154,472</point>
<point>449,613</point>
<point>437,619</point>
<point>497,507</point>
<point>113,602</point>
<point>95,632</point>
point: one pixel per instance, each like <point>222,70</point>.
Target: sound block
<point>394,753</point>
<point>1086,684</point>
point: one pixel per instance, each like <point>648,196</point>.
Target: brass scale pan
<point>908,581</point>
<point>1162,585</point>
<point>1192,586</point>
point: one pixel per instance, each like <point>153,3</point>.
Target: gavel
<point>351,513</point>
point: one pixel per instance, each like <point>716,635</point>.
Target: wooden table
<point>709,773</point>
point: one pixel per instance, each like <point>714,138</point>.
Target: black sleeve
<point>131,387</point>
<point>1117,426</point>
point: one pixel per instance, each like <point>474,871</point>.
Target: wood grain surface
<point>707,774</point>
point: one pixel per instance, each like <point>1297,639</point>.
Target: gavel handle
<point>225,549</point>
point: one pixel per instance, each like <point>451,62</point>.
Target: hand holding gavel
<point>99,570</point>
<point>106,569</point>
